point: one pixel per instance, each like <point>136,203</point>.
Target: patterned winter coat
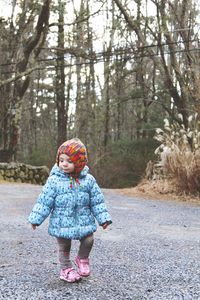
<point>73,206</point>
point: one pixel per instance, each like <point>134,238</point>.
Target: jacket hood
<point>58,172</point>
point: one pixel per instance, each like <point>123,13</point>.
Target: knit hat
<point>77,153</point>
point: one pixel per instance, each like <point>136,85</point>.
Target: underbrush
<point>124,162</point>
<point>179,154</point>
<point>161,189</point>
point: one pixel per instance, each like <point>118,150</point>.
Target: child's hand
<point>34,226</point>
<point>105,225</point>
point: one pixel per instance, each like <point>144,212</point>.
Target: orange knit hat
<point>77,152</point>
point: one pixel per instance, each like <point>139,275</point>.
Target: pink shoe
<point>69,275</point>
<point>83,266</point>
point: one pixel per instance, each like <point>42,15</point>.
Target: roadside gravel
<point>151,251</point>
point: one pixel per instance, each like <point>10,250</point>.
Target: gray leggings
<point>64,247</point>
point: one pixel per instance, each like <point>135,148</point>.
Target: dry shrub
<point>179,154</point>
<point>185,168</point>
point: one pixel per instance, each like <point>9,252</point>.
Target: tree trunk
<point>184,92</point>
<point>60,80</point>
<point>20,86</point>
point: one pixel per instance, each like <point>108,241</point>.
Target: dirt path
<point>151,251</point>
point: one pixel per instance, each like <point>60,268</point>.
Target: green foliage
<point>38,158</point>
<point>124,163</point>
<point>121,165</point>
<point>137,93</point>
<point>179,153</point>
<point>42,155</point>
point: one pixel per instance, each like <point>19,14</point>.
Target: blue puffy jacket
<point>73,209</point>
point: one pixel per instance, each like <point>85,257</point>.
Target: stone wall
<point>18,172</point>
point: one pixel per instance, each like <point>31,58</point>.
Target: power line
<point>142,47</point>
<point>101,59</point>
<point>96,56</point>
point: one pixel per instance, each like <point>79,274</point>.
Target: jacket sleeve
<point>98,207</point>
<point>44,203</point>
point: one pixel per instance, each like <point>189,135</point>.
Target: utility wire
<point>142,47</point>
<point>101,59</point>
<point>96,56</point>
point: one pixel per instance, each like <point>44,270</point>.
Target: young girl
<point>74,200</point>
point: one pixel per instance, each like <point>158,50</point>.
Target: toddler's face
<point>65,163</point>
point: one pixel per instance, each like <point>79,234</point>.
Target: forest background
<point>105,71</point>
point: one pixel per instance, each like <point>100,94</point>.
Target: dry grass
<point>158,189</point>
<point>179,154</point>
<point>184,167</point>
<point>4,181</point>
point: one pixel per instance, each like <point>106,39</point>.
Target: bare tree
<point>175,41</point>
<point>29,44</point>
<point>61,101</point>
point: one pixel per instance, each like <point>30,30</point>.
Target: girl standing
<point>73,199</point>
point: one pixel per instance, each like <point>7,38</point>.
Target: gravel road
<point>151,251</point>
